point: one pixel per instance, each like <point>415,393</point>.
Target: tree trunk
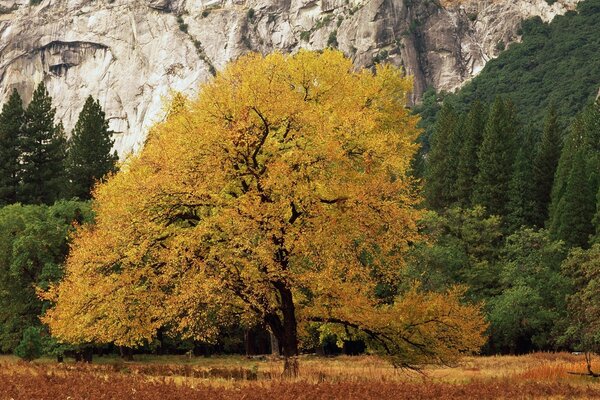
<point>88,355</point>
<point>126,353</point>
<point>286,330</point>
<point>588,361</point>
<point>274,345</point>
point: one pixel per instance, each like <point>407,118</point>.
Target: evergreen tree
<point>90,157</point>
<point>577,206</point>
<point>11,125</point>
<point>545,165</point>
<point>44,148</point>
<point>442,160</point>
<point>597,219</point>
<point>584,138</point>
<point>428,109</point>
<point>522,200</point>
<point>467,163</point>
<point>495,158</point>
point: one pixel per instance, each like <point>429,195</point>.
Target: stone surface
<point>132,53</point>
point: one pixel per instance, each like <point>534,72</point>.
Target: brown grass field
<point>535,376</point>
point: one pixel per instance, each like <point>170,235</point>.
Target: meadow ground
<point>534,376</point>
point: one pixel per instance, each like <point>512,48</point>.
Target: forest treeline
<point>510,166</point>
<point>45,187</point>
<point>515,216</point>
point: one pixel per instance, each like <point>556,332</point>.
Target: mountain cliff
<point>131,53</point>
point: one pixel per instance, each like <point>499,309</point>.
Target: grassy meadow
<point>534,376</point>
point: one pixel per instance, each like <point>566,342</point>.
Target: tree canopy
<point>90,155</point>
<point>282,196</point>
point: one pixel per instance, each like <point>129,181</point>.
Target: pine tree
<point>90,157</point>
<point>467,163</point>
<point>521,206</point>
<point>495,158</point>
<point>584,138</point>
<point>596,238</point>
<point>577,206</point>
<point>11,125</point>
<point>442,160</point>
<point>545,165</point>
<point>44,148</point>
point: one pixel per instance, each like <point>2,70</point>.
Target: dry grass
<point>536,376</point>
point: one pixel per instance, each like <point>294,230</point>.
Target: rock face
<point>130,54</point>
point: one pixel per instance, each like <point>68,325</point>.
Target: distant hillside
<point>555,63</point>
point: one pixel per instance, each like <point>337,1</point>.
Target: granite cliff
<point>131,53</point>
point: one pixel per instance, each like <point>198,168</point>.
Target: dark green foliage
<point>90,151</point>
<point>577,206</point>
<point>30,347</point>
<point>467,163</point>
<point>251,14</point>
<point>43,152</point>
<point>466,249</point>
<point>522,208</point>
<point>582,267</point>
<point>545,165</point>
<point>495,158</point>
<point>332,40</point>
<point>596,238</point>
<point>576,181</point>
<point>12,120</point>
<point>431,104</point>
<point>526,315</point>
<point>33,247</point>
<point>442,160</point>
<point>556,63</point>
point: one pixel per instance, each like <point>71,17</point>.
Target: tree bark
<point>286,330</point>
<point>274,345</point>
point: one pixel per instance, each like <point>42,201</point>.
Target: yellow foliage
<point>280,195</point>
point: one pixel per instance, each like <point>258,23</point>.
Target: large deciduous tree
<point>282,195</point>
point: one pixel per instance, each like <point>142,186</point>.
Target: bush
<point>30,346</point>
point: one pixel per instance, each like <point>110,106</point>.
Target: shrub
<point>30,346</point>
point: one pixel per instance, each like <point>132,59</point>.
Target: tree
<point>44,151</point>
<point>30,347</point>
<point>33,247</point>
<point>431,103</point>
<point>90,155</point>
<point>495,158</point>
<point>596,238</point>
<point>282,195</point>
<point>11,125</point>
<point>442,160</point>
<point>583,268</point>
<point>463,248</point>
<point>467,169</point>
<point>583,141</point>
<point>521,207</point>
<point>545,165</point>
<point>527,314</point>
<point>577,206</point>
